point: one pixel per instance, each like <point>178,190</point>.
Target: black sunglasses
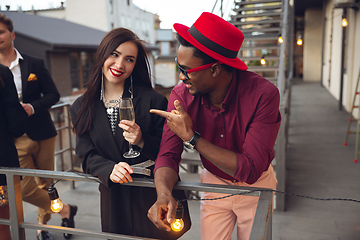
<point>186,72</point>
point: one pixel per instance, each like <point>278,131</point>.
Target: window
<point>111,7</point>
<point>122,21</point>
<point>165,48</point>
<point>80,67</point>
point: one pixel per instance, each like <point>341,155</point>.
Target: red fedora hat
<point>215,37</point>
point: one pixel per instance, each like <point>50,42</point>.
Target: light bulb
<point>280,39</point>
<point>344,22</point>
<point>177,225</point>
<point>55,203</point>
<point>299,42</point>
<point>263,61</point>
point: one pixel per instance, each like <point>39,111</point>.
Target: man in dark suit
<point>36,147</point>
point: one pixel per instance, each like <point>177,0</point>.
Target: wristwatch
<point>192,142</point>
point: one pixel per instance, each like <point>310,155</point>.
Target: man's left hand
<point>27,107</point>
<point>178,121</point>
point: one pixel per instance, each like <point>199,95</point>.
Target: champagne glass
<point>126,112</point>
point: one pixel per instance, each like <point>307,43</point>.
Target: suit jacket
<point>124,208</point>
<point>40,91</point>
<point>12,119</point>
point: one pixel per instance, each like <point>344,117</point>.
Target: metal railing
<point>284,86</point>
<point>223,8</point>
<point>60,114</point>
<point>261,229</point>
<point>281,150</point>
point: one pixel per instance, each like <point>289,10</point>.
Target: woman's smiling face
<point>120,63</point>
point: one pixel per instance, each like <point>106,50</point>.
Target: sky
<point>170,11</point>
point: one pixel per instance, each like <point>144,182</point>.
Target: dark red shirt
<point>247,124</point>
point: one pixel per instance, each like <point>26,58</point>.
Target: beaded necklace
<point>110,105</point>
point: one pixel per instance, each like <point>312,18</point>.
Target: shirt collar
<point>232,89</point>
<point>16,61</point>
<point>231,92</point>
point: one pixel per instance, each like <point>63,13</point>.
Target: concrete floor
<point>318,165</point>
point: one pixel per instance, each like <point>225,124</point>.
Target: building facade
<point>105,15</point>
<point>331,52</point>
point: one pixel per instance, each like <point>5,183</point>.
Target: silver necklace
<point>110,105</point>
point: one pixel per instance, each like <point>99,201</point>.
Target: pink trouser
<point>218,217</point>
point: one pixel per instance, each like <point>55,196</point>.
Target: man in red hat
<point>229,115</point>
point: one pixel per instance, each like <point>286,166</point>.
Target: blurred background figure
<point>12,118</point>
<point>36,148</point>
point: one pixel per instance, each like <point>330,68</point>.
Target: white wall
<point>91,13</point>
<point>352,61</point>
<point>134,18</point>
<point>312,45</point>
<point>332,49</point>
<point>332,55</point>
<point>326,47</point>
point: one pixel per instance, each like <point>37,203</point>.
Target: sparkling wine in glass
<point>126,112</point>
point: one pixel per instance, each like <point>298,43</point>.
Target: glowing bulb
<point>263,61</point>
<point>344,22</point>
<point>55,205</point>
<point>177,225</point>
<point>280,39</point>
<point>299,42</point>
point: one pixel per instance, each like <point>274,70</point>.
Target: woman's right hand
<point>121,173</point>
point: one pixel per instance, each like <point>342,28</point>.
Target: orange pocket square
<point>32,77</point>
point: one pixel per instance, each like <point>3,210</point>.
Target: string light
<point>263,61</point>
<point>280,39</point>
<point>299,41</point>
<point>344,22</point>
<point>56,205</point>
<point>178,224</point>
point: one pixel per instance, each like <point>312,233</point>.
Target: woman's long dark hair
<point>140,74</point>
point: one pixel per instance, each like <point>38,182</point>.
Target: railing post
<point>280,152</point>
<point>60,134</point>
<point>16,209</point>
<point>269,224</point>
<point>66,126</point>
<point>263,215</point>
<point>68,130</point>
<point>282,56</point>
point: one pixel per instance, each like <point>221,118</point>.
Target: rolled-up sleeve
<point>258,148</point>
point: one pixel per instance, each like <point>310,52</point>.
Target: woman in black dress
<point>121,70</point>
